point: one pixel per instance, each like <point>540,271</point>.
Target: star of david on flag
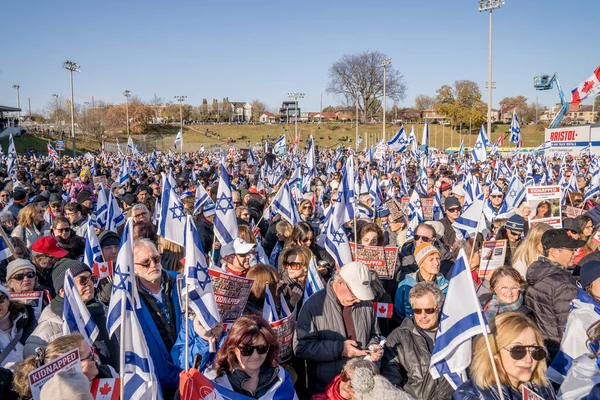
<point>225,221</point>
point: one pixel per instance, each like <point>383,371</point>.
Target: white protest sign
<point>39,376</point>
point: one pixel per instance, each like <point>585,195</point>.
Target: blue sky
<point>249,50</point>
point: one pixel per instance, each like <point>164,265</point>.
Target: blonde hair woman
<point>31,224</point>
<point>519,356</point>
<point>530,249</point>
<point>259,256</point>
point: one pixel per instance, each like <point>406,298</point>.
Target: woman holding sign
<point>16,324</point>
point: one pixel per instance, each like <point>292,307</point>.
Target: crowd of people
<point>542,303</point>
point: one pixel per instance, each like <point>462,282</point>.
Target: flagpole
<point>187,325</point>
<point>122,347</point>
<point>8,242</point>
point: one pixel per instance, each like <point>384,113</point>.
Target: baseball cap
<point>49,246</point>
<point>560,239</point>
<point>358,278</point>
<point>238,246</point>
<point>55,198</point>
<point>571,224</point>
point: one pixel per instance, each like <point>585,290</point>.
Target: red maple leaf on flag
<point>587,86</point>
<point>382,309</point>
<point>103,268</point>
<point>106,389</point>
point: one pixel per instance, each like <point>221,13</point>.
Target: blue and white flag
<point>178,139</point>
<point>153,161</point>
<point>12,152</point>
<point>5,250</point>
<point>93,251</point>
<point>471,221</point>
<point>515,194</point>
<point>515,129</point>
<point>415,215</point>
<point>123,173</point>
<point>280,146</point>
<point>138,376</point>
<point>461,149</point>
<point>461,320</point>
<point>130,145</point>
<point>101,208</point>
<point>225,221</point>
<point>119,147</point>
<point>547,145</point>
<point>594,188</point>
<point>399,142</point>
<point>412,142</point>
<point>114,216</point>
<point>438,209</point>
<point>423,184</point>
<point>172,215</point>
<point>270,307</point>
<point>251,158</point>
<point>284,204</point>
<point>76,316</point>
<point>314,283</point>
<point>479,152</point>
<point>202,199</point>
<point>425,138</point>
<point>197,280</point>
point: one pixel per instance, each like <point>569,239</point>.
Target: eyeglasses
<point>112,247</point>
<point>146,263</point>
<point>3,195</point>
<point>20,277</point>
<point>247,350</point>
<point>292,265</point>
<point>142,214</point>
<point>454,209</point>
<point>508,288</point>
<point>428,311</point>
<point>538,353</point>
<point>62,229</point>
<point>84,279</point>
<point>68,214</point>
<point>3,297</point>
<point>307,208</point>
<point>55,205</point>
<point>344,377</point>
<point>90,357</point>
<point>308,239</point>
<point>423,238</point>
<point>495,196</point>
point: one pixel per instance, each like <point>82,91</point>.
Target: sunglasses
<point>344,377</point>
<point>428,311</point>
<point>423,238</point>
<point>307,208</point>
<point>306,240</point>
<point>292,265</point>
<point>146,264</point>
<point>495,196</point>
<point>454,209</point>
<point>247,350</point>
<point>538,353</point>
<point>62,229</point>
<point>20,277</point>
<point>3,297</point>
<point>91,356</point>
<point>84,279</point>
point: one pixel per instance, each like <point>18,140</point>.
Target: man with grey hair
<point>8,222</point>
<point>160,315</point>
<point>407,352</point>
<point>337,324</point>
<point>364,209</point>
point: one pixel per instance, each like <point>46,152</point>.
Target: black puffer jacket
<point>405,363</point>
<point>549,294</point>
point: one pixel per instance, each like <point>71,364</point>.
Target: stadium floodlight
<point>72,67</point>
<point>384,63</point>
<point>127,95</point>
<point>295,96</point>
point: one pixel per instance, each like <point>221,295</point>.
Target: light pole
<point>127,94</point>
<point>296,96</point>
<point>181,99</point>
<point>56,109</point>
<point>489,5</point>
<point>72,67</point>
<point>384,63</point>
<point>17,87</point>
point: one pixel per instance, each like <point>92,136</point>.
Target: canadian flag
<point>590,86</point>
<point>383,310</point>
<point>193,385</point>
<point>106,389</point>
<point>103,269</point>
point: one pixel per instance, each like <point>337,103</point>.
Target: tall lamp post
<point>56,109</point>
<point>181,99</point>
<point>296,96</point>
<point>127,94</point>
<point>490,5</point>
<point>72,67</point>
<point>384,63</point>
<point>17,87</point>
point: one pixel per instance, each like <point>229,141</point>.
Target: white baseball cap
<point>238,246</point>
<point>358,278</point>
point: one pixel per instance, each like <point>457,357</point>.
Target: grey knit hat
<point>70,385</point>
<point>60,269</point>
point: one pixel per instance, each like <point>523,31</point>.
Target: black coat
<point>405,363</point>
<point>549,294</point>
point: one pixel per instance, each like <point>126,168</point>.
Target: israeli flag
<point>130,145</point>
<point>5,250</point>
<point>153,162</point>
<point>76,316</point>
<point>425,140</point>
<point>285,310</point>
<point>93,251</point>
<point>119,147</point>
<point>438,209</point>
<point>172,216</point>
<point>123,173</point>
<point>594,188</point>
<point>280,146</point>
<point>201,199</point>
<point>178,139</point>
<point>12,152</point>
<point>515,194</point>
<point>251,159</point>
<point>461,320</point>
<point>547,145</point>
<point>101,208</point>
<point>311,170</point>
<point>399,142</point>
<point>114,217</point>
<point>198,283</point>
<point>461,149</point>
<point>471,221</point>
<point>269,308</point>
<point>284,204</point>
<point>412,142</point>
<point>515,129</point>
<point>314,283</point>
<point>423,183</point>
<point>137,368</point>
<point>479,152</point>
<point>415,215</point>
<point>225,221</point>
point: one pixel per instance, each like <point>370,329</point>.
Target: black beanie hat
<point>109,238</point>
<point>60,269</point>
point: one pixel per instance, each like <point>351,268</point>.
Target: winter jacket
<point>75,245</point>
<point>291,290</point>
<point>405,363</point>
<point>470,391</point>
<point>582,381</point>
<point>401,303</point>
<point>161,335</point>
<point>196,345</point>
<point>274,384</point>
<point>320,335</point>
<point>549,294</point>
<point>50,327</point>
<point>31,233</point>
<point>409,265</point>
<point>585,311</point>
<point>449,233</point>
<point>24,322</point>
<point>332,391</point>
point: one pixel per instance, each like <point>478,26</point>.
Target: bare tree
<point>423,102</point>
<point>258,108</point>
<point>360,77</point>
